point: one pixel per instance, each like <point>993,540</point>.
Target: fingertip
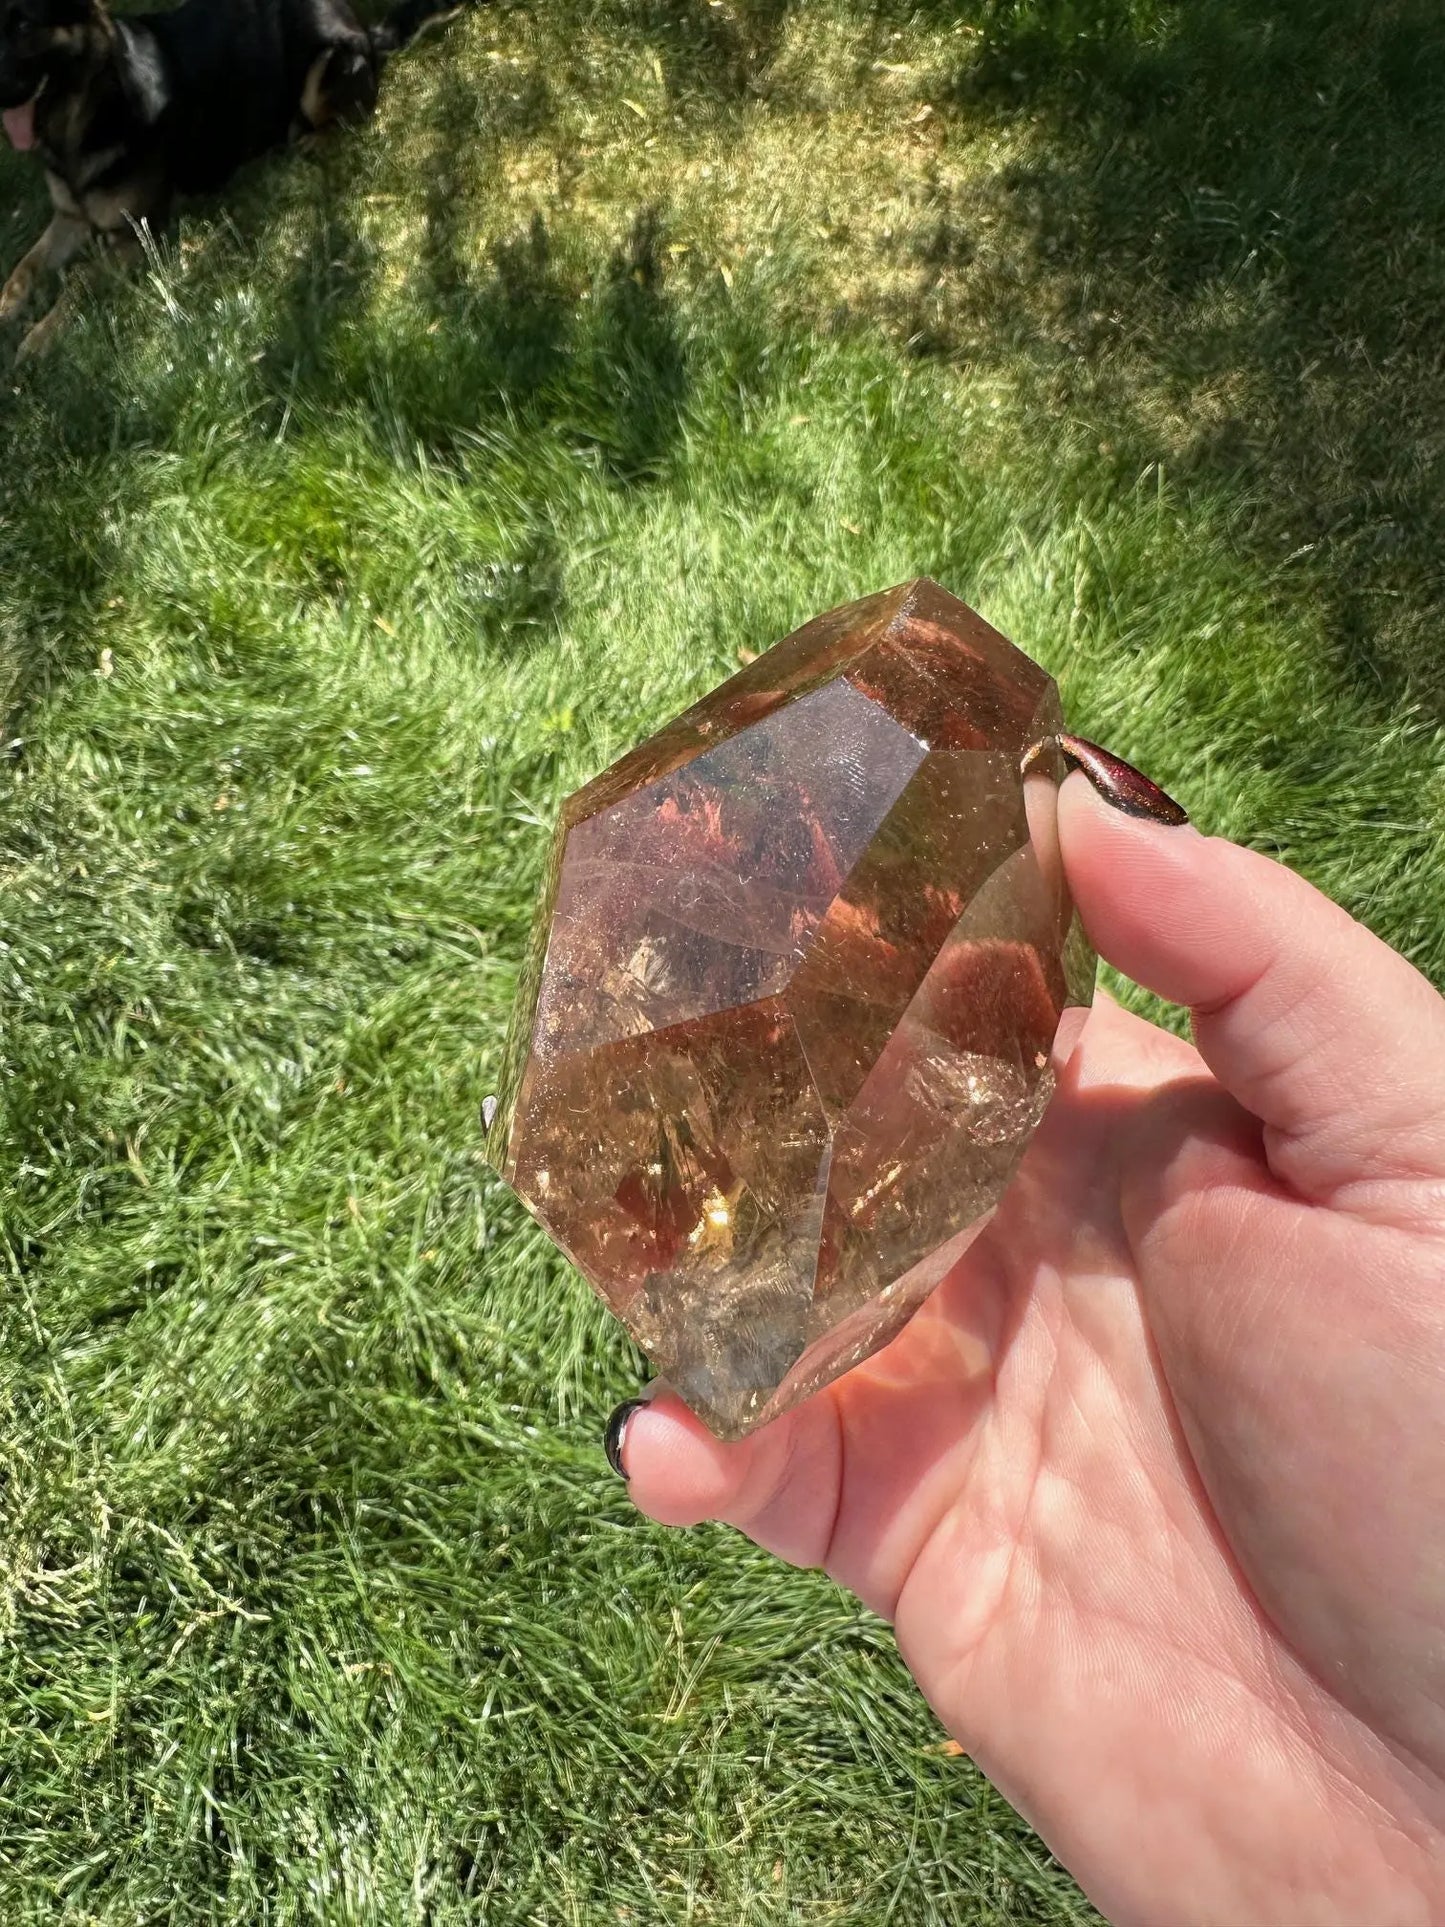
<point>1137,885</point>
<point>1195,918</point>
<point>1088,822</point>
<point>676,1471</point>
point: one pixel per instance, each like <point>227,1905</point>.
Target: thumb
<point>1327,1035</point>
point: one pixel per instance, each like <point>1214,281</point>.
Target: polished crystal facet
<point>798,988</point>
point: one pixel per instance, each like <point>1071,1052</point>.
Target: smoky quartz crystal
<point>803,973</point>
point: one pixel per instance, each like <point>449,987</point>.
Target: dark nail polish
<point>1120,784</point>
<point>615,1435</point>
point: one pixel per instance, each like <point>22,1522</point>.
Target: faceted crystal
<point>799,984</point>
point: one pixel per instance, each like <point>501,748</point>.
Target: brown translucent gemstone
<point>795,999</point>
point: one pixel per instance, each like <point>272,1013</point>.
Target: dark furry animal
<point>126,113</point>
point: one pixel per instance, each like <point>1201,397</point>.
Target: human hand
<point>1153,1487</point>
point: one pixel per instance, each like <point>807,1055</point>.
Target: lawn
<point>411,484</point>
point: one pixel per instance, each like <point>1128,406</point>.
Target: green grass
<point>414,482</point>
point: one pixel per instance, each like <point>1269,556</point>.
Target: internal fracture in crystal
<point>801,980</point>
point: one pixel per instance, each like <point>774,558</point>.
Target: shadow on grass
<point>588,351</point>
<point>1228,234</point>
<point>705,50</point>
<point>537,357</point>
<point>601,366</point>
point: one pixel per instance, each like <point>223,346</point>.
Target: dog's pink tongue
<point>20,126</point>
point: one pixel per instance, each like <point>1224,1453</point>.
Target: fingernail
<point>615,1437</point>
<point>1120,784</point>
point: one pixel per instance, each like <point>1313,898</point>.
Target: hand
<point>1153,1488</point>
